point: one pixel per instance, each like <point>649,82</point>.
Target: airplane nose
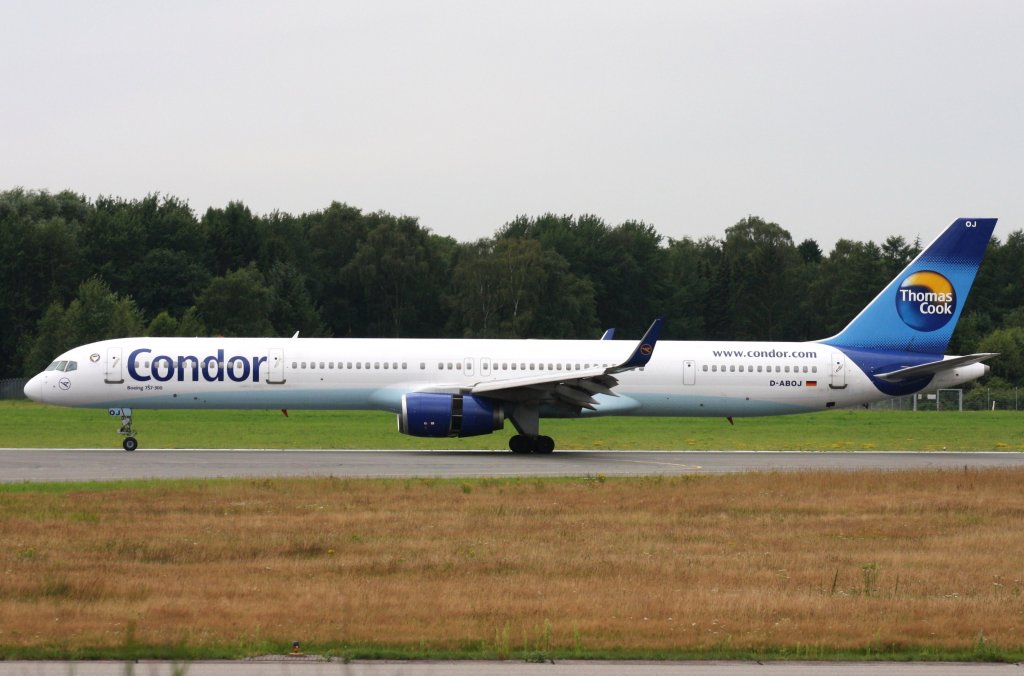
<point>34,388</point>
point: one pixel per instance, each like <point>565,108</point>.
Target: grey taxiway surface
<point>35,465</point>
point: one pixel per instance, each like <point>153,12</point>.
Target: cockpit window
<point>61,365</point>
<point>53,366</point>
<point>72,366</point>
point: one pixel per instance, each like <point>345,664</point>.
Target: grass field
<point>902,565</point>
<point>25,424</point>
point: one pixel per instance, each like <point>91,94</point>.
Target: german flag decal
<point>811,383</point>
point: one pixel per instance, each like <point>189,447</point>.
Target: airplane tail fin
<point>918,310</point>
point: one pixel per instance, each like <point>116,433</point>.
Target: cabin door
<point>838,376</point>
<point>114,372</point>
<point>275,366</point>
<point>689,372</point>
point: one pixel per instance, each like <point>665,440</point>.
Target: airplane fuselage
<point>700,378</point>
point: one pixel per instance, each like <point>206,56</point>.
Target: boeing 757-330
<point>463,387</point>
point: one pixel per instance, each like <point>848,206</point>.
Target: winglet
<point>644,349</point>
<point>608,335</point>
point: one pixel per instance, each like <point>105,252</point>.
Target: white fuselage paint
<point>682,378</point>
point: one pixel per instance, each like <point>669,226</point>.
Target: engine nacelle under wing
<point>432,414</point>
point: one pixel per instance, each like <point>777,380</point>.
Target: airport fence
<point>12,388</point>
<point>973,399</point>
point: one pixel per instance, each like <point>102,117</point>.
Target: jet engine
<point>431,414</point>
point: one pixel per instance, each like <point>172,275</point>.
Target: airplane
<point>467,387</point>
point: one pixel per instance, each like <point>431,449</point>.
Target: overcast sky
<point>834,119</point>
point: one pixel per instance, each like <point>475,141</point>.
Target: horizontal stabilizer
<point>934,367</point>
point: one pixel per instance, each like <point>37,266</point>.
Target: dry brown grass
<point>845,560</point>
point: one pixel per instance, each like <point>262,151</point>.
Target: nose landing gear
<point>130,443</point>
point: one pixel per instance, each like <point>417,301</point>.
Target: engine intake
<point>430,414</point>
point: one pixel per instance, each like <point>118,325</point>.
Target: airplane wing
<point>934,367</point>
<point>576,388</point>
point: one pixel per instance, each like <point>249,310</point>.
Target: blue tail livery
<point>919,309</point>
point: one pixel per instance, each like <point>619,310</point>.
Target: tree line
<point>78,270</point>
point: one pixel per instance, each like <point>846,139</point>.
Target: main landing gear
<point>130,443</point>
<point>527,423</point>
<point>521,443</point>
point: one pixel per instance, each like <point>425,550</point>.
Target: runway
<point>53,464</point>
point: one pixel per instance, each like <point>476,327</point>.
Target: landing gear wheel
<point>130,444</point>
<point>520,444</point>
<point>543,445</point>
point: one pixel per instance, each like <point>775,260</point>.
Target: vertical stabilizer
<point>918,310</point>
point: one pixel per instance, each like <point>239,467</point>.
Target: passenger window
<point>778,369</point>
<point>741,368</point>
<point>295,365</point>
<point>330,364</point>
<point>759,369</point>
<point>394,365</point>
<point>805,369</point>
<point>513,366</point>
<point>366,366</point>
<point>348,365</point>
<point>449,366</point>
<point>385,365</point>
<point>714,368</point>
<point>577,367</point>
<point>303,364</point>
<point>358,366</point>
<point>321,365</point>
<point>704,368</point>
<point>814,369</point>
<point>423,366</point>
<point>376,365</point>
<point>504,367</point>
<point>787,369</point>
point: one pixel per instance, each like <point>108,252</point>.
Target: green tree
<point>333,236</point>
<point>688,282</point>
<point>235,236</point>
<point>95,314</point>
<point>293,309</point>
<point>1009,343</point>
<point>401,278</point>
<point>237,304</point>
<point>759,260</point>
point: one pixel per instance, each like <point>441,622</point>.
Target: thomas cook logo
<point>926,301</point>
